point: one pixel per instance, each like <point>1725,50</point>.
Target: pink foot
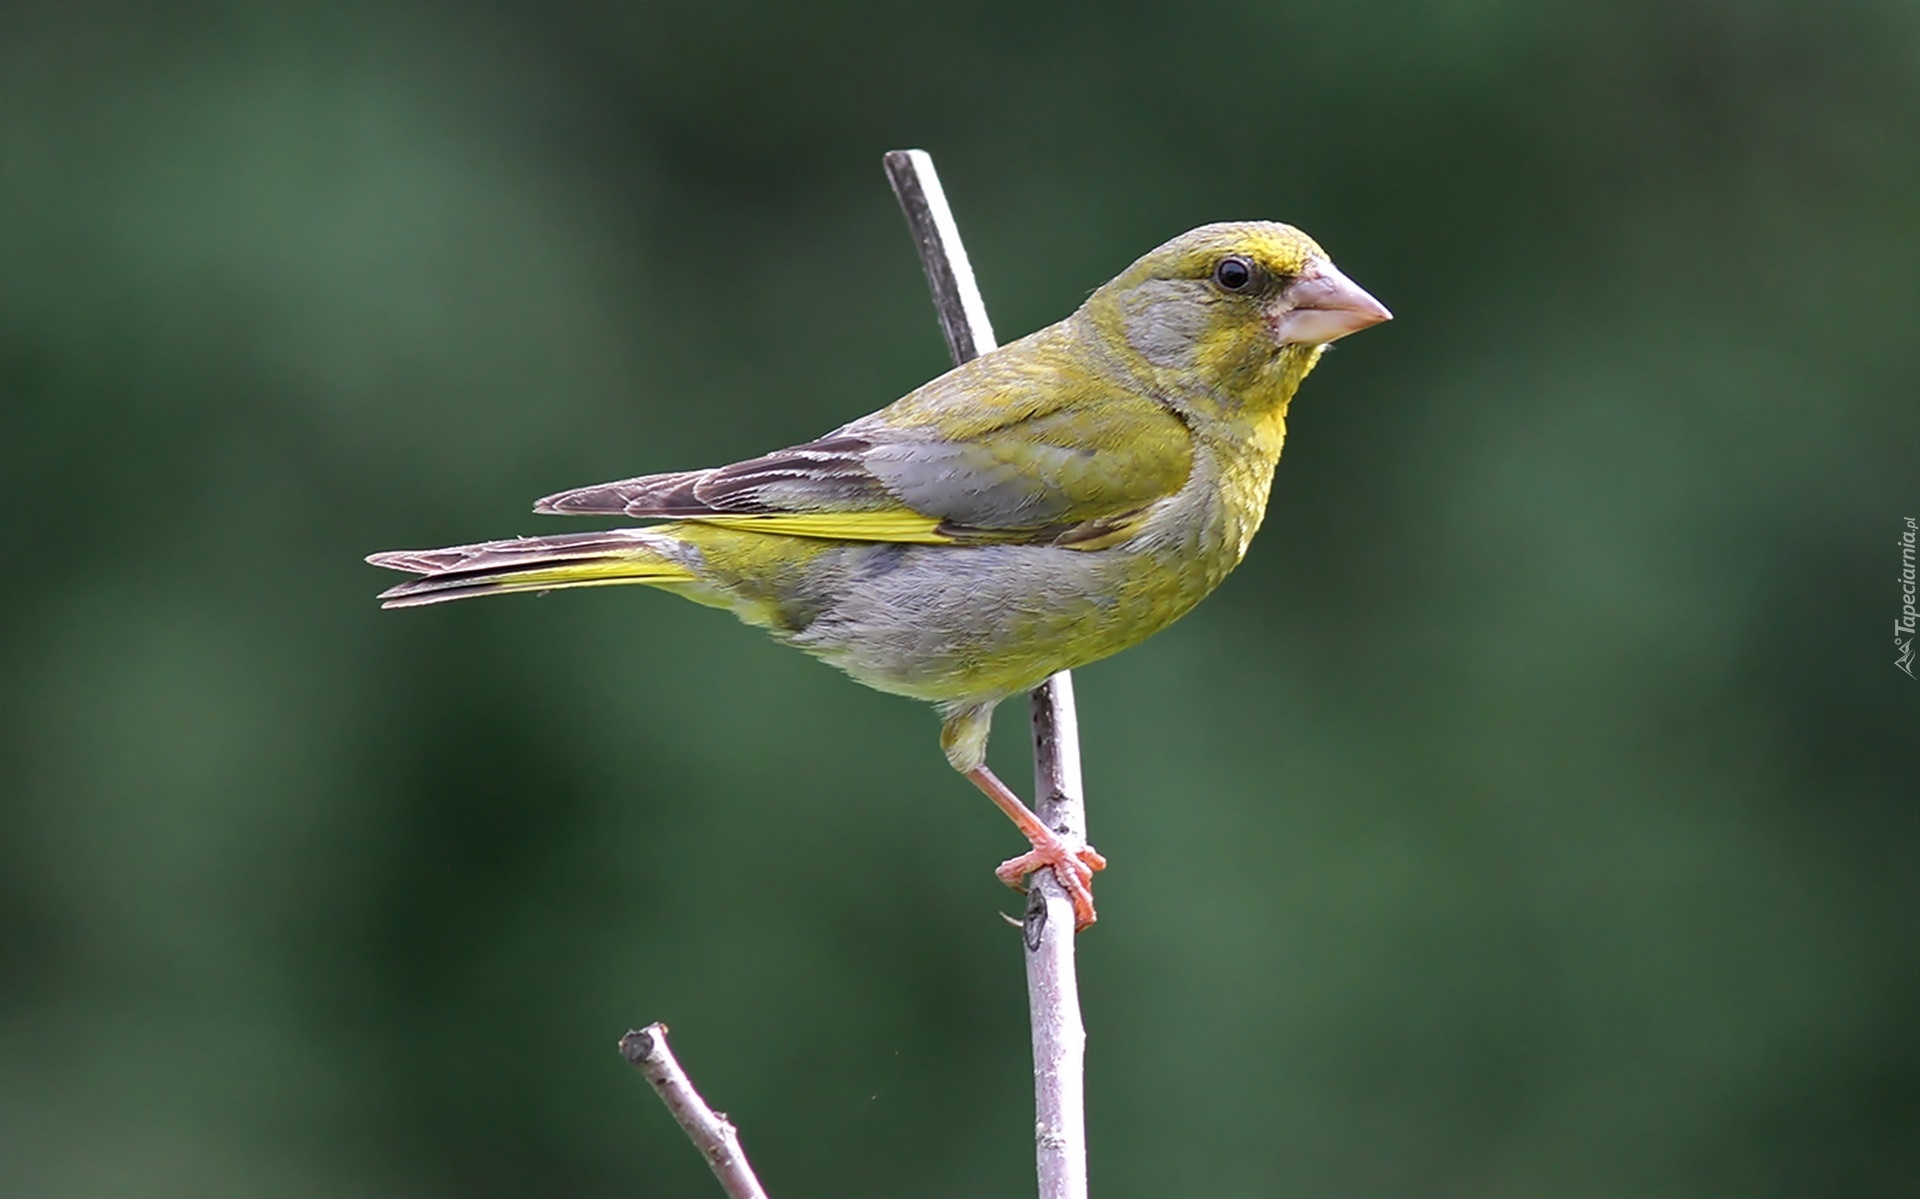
<point>1074,868</point>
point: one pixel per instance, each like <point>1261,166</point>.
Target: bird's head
<point>1241,307</point>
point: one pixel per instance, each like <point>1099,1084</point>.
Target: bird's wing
<point>988,455</point>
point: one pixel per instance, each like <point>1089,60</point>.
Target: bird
<point>1035,509</point>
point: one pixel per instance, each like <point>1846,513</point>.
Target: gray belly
<point>962,623</point>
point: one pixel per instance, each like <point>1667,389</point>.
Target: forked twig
<point>1053,993</point>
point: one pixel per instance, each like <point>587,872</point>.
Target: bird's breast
<point>1204,530</point>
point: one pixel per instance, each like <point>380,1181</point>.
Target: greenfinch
<point>1038,508</point>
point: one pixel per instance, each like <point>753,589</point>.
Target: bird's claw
<point>1074,868</point>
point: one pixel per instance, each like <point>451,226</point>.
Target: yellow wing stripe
<point>582,574</point>
<point>907,527</point>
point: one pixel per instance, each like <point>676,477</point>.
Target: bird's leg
<point>963,735</point>
<point>1073,867</point>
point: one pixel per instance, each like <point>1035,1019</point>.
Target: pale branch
<point>956,297</point>
<point>1053,994</point>
<point>710,1131</point>
<point>1053,986</point>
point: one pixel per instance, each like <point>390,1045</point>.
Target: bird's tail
<point>534,564</point>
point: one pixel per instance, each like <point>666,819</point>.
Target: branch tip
<point>646,1049</point>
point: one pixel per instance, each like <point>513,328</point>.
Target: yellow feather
<point>612,570</point>
<point>906,527</point>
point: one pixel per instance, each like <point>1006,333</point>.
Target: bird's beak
<point>1323,305</point>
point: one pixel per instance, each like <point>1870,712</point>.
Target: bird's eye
<point>1233,273</point>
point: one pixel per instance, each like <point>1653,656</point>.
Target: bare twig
<point>1053,988</point>
<point>1053,995</point>
<point>956,297</point>
<point>710,1131</point>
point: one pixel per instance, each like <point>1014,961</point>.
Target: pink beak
<point>1323,305</point>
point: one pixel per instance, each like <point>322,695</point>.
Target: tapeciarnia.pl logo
<point>1903,628</point>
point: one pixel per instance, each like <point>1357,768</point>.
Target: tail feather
<point>648,495</point>
<point>533,564</point>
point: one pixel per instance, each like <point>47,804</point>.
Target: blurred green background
<point>1532,814</point>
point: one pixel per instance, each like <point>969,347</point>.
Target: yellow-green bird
<point>1042,506</point>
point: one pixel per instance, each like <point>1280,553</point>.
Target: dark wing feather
<point>1010,447</point>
